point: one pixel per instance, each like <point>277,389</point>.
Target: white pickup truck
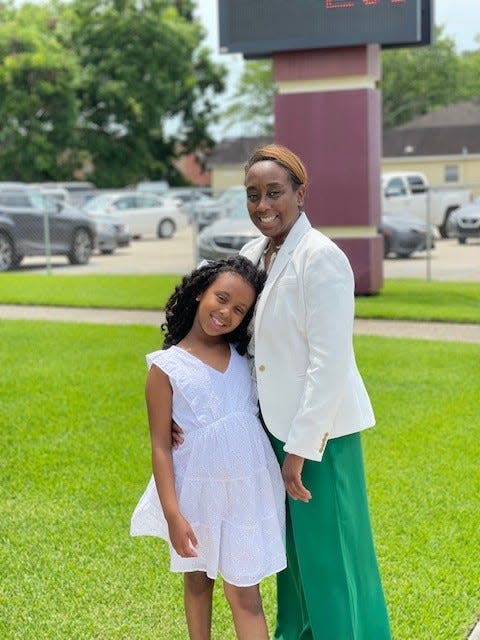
<point>408,193</point>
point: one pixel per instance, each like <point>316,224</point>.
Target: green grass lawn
<point>115,292</point>
<point>420,300</point>
<point>75,460</point>
<point>399,299</point>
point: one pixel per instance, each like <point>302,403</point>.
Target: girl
<point>218,499</point>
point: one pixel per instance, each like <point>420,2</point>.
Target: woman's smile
<point>267,220</point>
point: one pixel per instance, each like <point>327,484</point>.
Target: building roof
<point>451,130</point>
<point>453,115</point>
<point>235,151</point>
<point>431,141</point>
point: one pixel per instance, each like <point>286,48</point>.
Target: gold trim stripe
<point>344,83</point>
<point>349,232</point>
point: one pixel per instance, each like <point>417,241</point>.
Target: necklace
<point>274,248</point>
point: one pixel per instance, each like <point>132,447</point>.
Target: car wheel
<point>81,248</point>
<point>107,252</point>
<point>7,260</point>
<point>462,241</point>
<point>166,228</point>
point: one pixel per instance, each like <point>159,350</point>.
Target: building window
<point>451,173</point>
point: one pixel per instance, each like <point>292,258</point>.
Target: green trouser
<point>331,589</point>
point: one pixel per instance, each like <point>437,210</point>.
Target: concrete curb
<point>388,328</point>
<point>475,635</point>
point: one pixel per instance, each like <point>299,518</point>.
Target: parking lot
<point>449,260</point>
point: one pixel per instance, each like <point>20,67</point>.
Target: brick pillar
<point>328,111</point>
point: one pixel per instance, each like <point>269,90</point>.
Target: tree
<point>252,102</point>
<point>38,105</point>
<point>97,83</point>
<point>417,80</point>
<point>469,82</point>
<point>141,68</point>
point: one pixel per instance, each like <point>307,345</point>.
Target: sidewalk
<point>390,328</point>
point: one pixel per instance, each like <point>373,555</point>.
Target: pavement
<point>390,328</point>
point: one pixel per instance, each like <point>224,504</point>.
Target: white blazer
<point>309,386</point>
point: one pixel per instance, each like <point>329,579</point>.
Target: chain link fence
<point>55,220</point>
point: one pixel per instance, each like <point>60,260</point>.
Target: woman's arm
<point>158,394</point>
<point>328,289</point>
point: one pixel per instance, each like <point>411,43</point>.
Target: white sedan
<point>145,214</point>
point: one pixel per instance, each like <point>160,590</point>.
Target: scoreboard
<point>259,28</point>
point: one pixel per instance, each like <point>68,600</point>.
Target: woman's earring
<point>197,298</point>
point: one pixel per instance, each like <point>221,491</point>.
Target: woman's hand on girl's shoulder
<point>182,536</point>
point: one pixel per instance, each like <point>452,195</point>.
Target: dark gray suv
<point>28,218</point>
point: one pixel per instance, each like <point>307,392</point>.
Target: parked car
<point>403,236</point>
<point>57,194</point>
<point>191,197</point>
<point>207,211</point>
<point>465,222</point>
<point>78,192</point>
<point>111,233</point>
<point>24,212</point>
<point>158,187</point>
<point>407,193</point>
<point>226,236</point>
<point>145,214</point>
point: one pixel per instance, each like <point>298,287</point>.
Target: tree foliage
<point>38,104</point>
<point>252,102</point>
<point>469,81</point>
<point>415,80</point>
<point>102,81</point>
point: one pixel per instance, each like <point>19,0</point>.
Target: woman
<point>314,404</point>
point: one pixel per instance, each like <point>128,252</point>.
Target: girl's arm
<point>158,394</point>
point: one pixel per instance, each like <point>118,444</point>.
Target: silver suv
<point>29,220</point>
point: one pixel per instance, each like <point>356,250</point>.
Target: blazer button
<point>261,367</point>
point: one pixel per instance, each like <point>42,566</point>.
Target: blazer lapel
<point>254,252</point>
<point>299,229</point>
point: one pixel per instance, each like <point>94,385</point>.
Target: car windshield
<point>99,202</point>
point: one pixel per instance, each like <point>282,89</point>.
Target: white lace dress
<point>227,479</point>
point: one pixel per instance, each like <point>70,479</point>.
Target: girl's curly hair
<point>182,305</point>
